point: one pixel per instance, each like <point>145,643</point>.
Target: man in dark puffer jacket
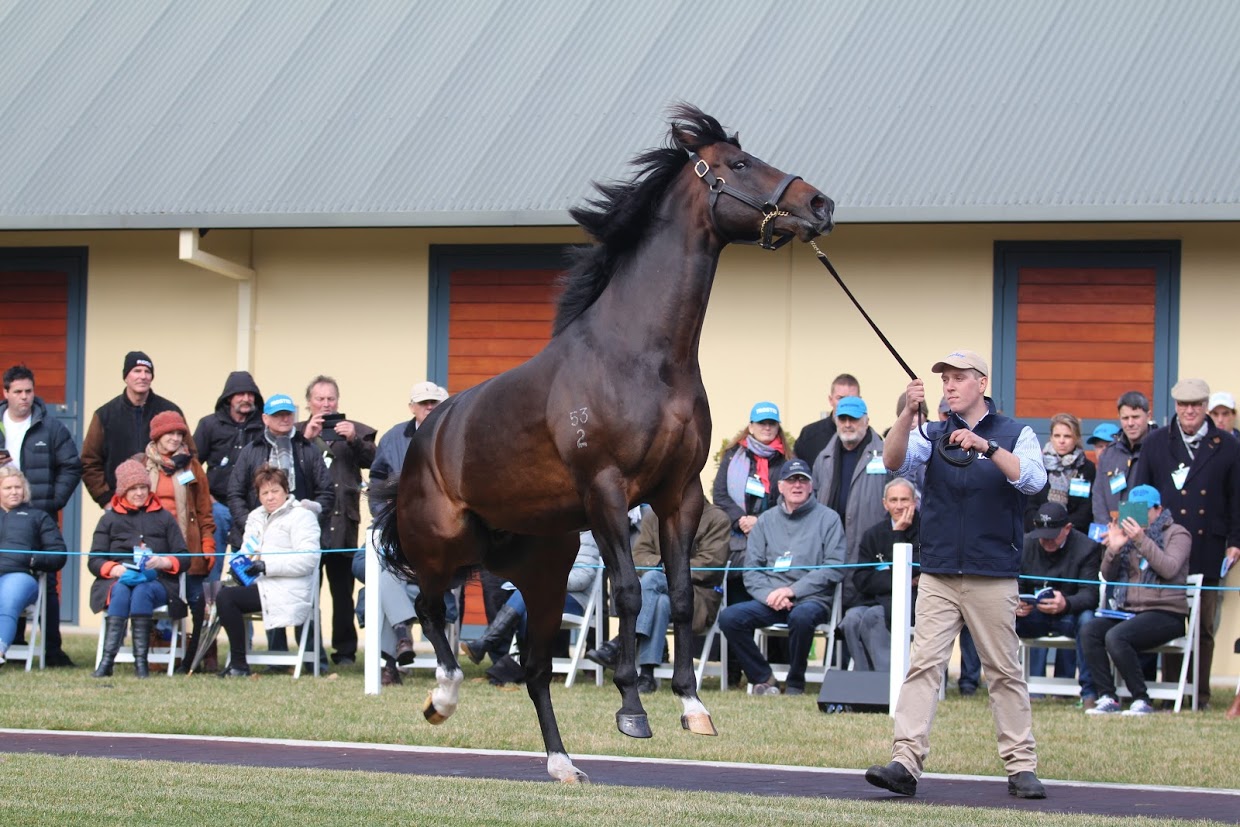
<point>44,450</point>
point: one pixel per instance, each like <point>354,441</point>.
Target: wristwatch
<point>991,447</point>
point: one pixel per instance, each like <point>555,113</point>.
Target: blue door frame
<point>1161,256</point>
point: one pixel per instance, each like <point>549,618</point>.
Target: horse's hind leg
<point>443,699</point>
<point>543,590</point>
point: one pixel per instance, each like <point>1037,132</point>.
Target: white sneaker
<point>1139,707</point>
<point>1106,705</point>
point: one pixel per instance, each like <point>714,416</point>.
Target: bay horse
<point>611,413</point>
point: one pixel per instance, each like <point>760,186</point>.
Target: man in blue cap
<point>1102,436</point>
<point>282,446</point>
<point>849,476</point>
<point>786,547</point>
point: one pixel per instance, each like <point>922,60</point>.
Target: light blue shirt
<point>1031,480</point>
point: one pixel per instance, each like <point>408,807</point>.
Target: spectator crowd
<point>804,529</point>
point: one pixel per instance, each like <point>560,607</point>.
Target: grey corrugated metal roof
<point>167,113</point>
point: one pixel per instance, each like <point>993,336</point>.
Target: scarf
<point>1154,531</point>
<point>157,464</point>
<point>1059,472</point>
<point>282,455</point>
<point>738,467</point>
<point>1192,443</point>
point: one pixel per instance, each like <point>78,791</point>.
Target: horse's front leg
<point>676,532</point>
<point>610,523</point>
<point>443,699</point>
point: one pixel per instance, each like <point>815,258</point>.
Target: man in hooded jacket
<point>220,436</point>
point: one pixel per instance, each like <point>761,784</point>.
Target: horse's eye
<point>739,165</point>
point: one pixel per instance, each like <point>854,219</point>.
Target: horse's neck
<point>660,292</point>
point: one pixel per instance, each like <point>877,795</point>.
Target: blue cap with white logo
<point>764,410</point>
<point>279,403</point>
<point>1147,494</point>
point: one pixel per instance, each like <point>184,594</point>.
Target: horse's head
<point>764,204</point>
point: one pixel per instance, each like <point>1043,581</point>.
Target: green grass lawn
<point>1158,749</point>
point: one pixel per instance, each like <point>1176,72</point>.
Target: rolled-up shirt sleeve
<point>916,455</point>
<point>1032,477</point>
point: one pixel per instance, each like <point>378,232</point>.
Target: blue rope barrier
<point>691,568</point>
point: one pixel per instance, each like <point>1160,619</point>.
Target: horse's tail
<point>383,497</point>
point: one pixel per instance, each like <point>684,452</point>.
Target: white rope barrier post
<point>374,615</point>
<point>901,618</point>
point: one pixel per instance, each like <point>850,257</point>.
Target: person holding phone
<point>1154,554</point>
<point>347,447</point>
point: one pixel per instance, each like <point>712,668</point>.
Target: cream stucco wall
<point>353,304</point>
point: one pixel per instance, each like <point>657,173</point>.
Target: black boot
<point>113,637</point>
<point>506,670</point>
<point>141,644</point>
<point>606,654</point>
<point>496,635</point>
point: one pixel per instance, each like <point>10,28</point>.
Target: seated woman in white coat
<point>282,537</point>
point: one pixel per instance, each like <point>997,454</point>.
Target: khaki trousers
<point>988,606</point>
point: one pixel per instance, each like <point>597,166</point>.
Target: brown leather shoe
<point>390,676</point>
<point>1233,711</point>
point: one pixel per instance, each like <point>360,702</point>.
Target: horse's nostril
<point>821,205</point>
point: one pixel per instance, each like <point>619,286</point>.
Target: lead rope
<point>944,448</point>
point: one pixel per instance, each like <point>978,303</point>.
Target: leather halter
<point>769,208</point>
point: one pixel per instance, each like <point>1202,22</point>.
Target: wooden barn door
<point>1079,325</point>
<point>42,327</point>
<point>493,308</point>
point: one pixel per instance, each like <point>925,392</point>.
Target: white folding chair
<point>157,654</point>
<point>308,639</point>
<point>1186,646</point>
<point>813,674</point>
<point>714,633</point>
<point>1045,685</point>
<point>36,618</point>
<point>580,624</point>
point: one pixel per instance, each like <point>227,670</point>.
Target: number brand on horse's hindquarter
<point>579,416</point>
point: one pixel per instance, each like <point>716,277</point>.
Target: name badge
<point>754,487</point>
<point>1178,476</point>
<point>185,477</point>
<point>1118,482</point>
<point>875,466</point>
<point>783,561</point>
<point>1078,487</point>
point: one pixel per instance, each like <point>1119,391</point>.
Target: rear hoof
<point>634,726</point>
<point>431,714</point>
<point>698,724</point>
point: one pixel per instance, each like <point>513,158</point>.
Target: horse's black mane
<point>621,216</point>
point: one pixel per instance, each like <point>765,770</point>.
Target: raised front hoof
<point>431,714</point>
<point>698,724</point>
<point>634,726</point>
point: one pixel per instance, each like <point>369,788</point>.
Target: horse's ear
<point>684,138</point>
